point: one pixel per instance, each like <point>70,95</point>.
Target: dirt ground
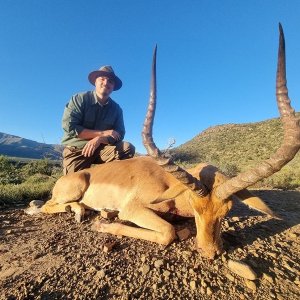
<point>53,257</point>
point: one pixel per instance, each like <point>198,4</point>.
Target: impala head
<point>210,198</point>
<point>209,213</point>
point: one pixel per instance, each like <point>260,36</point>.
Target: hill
<point>236,147</point>
<point>15,146</point>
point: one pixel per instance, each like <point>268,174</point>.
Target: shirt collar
<point>97,102</point>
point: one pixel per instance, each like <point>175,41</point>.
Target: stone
<point>268,278</point>
<point>193,285</point>
<point>108,214</point>
<point>272,254</point>
<point>230,277</point>
<point>209,291</point>
<point>36,203</point>
<point>145,269</point>
<point>203,283</point>
<point>107,247</point>
<point>226,224</point>
<point>251,285</point>
<point>158,263</point>
<point>100,274</point>
<point>183,234</point>
<point>242,269</point>
<point>166,273</point>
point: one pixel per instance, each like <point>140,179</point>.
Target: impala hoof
<point>78,218</point>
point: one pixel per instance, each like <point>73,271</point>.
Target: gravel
<point>53,257</point>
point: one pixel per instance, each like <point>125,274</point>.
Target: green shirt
<point>84,112</point>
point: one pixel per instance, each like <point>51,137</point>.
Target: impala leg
<point>154,228</point>
<point>52,208</point>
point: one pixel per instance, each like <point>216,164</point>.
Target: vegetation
<point>23,182</point>
<point>234,148</point>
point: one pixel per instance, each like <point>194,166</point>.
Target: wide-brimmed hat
<point>106,71</point>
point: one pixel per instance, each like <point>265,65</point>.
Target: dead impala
<point>141,187</point>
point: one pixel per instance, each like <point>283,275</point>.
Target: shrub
<point>8,172</point>
<point>34,180</point>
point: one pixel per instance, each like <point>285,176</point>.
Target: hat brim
<point>95,74</point>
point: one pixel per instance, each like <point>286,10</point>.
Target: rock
<point>268,278</point>
<point>193,285</point>
<point>145,269</point>
<point>226,224</point>
<point>158,263</point>
<point>242,269</point>
<point>36,203</point>
<point>183,234</point>
<point>166,273</point>
<point>203,283</point>
<point>100,274</point>
<point>272,295</point>
<point>230,277</point>
<point>235,219</point>
<point>209,291</point>
<point>293,235</point>
<point>297,282</point>
<point>272,254</point>
<point>107,247</point>
<point>108,214</point>
<point>251,285</point>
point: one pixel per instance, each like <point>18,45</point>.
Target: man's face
<point>104,86</point>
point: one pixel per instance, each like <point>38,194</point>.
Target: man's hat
<point>106,71</point>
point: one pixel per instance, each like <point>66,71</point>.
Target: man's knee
<point>129,149</point>
<point>125,150</point>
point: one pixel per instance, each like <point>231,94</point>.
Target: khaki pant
<point>73,160</point>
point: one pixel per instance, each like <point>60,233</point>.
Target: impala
<point>141,187</point>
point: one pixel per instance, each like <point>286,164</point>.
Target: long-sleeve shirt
<point>84,112</point>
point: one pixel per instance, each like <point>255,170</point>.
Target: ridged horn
<point>166,163</point>
<point>291,141</point>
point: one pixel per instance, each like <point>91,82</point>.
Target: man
<point>93,125</point>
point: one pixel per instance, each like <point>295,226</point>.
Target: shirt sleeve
<point>119,124</point>
<point>73,116</point>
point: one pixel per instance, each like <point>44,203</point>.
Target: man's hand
<point>90,147</point>
<point>114,134</point>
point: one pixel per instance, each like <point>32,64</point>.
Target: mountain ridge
<point>16,146</point>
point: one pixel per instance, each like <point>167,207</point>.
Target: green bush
<point>43,166</point>
<point>21,184</point>
<point>8,172</point>
<point>23,193</point>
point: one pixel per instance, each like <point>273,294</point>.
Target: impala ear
<point>255,202</point>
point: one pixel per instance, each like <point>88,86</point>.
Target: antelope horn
<point>166,163</point>
<point>291,141</point>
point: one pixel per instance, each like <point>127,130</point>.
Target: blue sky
<point>216,62</point>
